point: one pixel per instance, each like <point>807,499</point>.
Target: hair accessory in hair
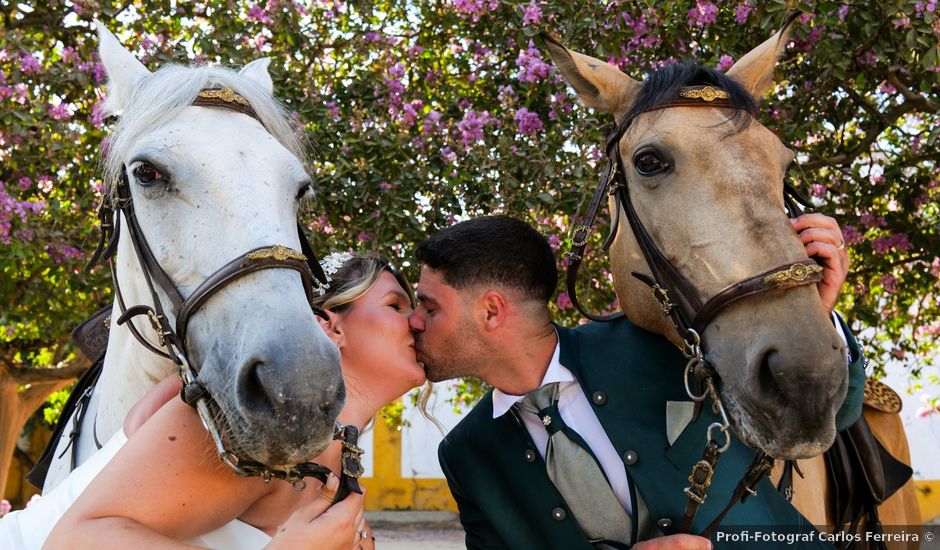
<point>331,264</point>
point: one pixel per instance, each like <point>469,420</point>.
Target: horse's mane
<point>161,96</point>
<point>662,86</point>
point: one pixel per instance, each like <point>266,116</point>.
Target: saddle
<point>862,471</point>
<point>91,337</point>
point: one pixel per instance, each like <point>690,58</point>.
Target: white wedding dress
<point>28,529</point>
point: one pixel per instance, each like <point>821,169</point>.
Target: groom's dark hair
<point>495,250</point>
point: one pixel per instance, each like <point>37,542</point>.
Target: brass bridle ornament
<point>172,339</point>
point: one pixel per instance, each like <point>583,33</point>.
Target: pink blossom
<point>44,183</point>
<point>533,69</point>
<point>741,11</point>
<point>867,58</point>
<point>25,183</point>
<point>60,252</point>
<point>851,235</point>
<point>843,11</point>
<point>563,301</point>
<point>431,122</point>
<point>870,220</point>
<point>59,112</point>
<point>532,14</point>
<point>410,111</point>
<point>333,109</point>
<point>259,14</point>
<point>20,93</point>
<point>448,155</point>
<point>365,236</point>
<point>98,114</point>
<point>99,73</point>
<point>935,267</point>
<point>528,121</point>
<point>889,283</point>
<point>554,241</point>
<point>703,14</point>
<point>471,127</point>
<point>474,8</point>
<point>507,96</point>
<point>69,55</point>
<point>29,64</point>
<point>385,186</point>
<point>725,62</point>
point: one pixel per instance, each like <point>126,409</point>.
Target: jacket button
<point>558,514</point>
<point>599,398</point>
<point>664,523</point>
<point>529,455</point>
<point>630,458</point>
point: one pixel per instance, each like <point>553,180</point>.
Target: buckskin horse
<point>702,252</point>
<point>199,220</point>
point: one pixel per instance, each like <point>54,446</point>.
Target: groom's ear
<point>332,326</point>
<point>493,308</point>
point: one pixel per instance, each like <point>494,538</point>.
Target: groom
<point>484,288</point>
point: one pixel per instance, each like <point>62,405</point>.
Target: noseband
<point>690,316</point>
<point>172,340</point>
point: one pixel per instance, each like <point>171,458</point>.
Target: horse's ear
<point>600,85</point>
<point>257,71</point>
<point>755,71</point>
<point>124,70</point>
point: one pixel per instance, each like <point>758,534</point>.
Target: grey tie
<point>576,474</point>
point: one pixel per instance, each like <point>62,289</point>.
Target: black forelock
<point>662,86</point>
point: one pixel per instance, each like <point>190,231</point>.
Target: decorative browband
<point>225,98</point>
<point>704,93</point>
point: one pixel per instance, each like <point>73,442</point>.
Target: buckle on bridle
<point>662,296</point>
<point>575,241</point>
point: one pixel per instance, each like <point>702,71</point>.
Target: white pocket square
<point>678,416</point>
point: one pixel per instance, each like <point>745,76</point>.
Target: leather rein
<point>171,340</point>
<point>679,299</point>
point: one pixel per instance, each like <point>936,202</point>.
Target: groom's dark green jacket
<point>506,499</point>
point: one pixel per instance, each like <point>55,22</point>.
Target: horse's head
<point>209,184</point>
<point>707,183</point>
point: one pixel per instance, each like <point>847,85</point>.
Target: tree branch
<point>39,375</point>
<point>910,96</point>
<point>871,136</point>
<point>35,394</point>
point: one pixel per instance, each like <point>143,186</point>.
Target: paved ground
<point>416,530</point>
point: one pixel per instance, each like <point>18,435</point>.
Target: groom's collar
<point>556,372</point>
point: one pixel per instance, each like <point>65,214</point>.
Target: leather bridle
<point>117,202</point>
<point>690,315</point>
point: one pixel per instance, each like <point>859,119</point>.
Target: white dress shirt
<point>577,413</point>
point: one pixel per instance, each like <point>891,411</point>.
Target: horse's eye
<point>147,174</point>
<point>648,163</point>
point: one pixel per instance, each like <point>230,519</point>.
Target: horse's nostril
<point>252,388</point>
<point>767,377</point>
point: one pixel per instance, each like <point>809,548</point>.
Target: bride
<point>165,484</point>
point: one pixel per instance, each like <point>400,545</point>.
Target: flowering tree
<point>426,112</point>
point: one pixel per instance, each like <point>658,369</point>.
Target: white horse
<point>209,184</point>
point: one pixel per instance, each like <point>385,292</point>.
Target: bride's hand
<point>364,540</point>
<point>321,524</point>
